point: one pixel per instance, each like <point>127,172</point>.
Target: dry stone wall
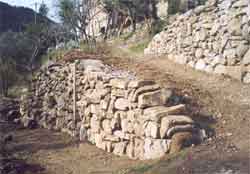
<point>213,37</point>
<point>114,110</point>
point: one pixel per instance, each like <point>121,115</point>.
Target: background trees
<point>75,14</point>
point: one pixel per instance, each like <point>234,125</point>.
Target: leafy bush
<point>157,27</point>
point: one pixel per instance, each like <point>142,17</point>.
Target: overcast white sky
<point>31,4</point>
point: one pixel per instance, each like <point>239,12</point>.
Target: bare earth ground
<point>221,106</point>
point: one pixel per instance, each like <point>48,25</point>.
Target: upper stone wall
<point>114,110</point>
<point>214,38</point>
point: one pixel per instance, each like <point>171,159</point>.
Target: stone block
<point>142,90</point>
<point>119,83</point>
<point>172,120</point>
<point>122,104</point>
<point>140,83</point>
<point>106,126</point>
<point>151,129</point>
<point>158,112</point>
<point>155,148</point>
<point>120,148</point>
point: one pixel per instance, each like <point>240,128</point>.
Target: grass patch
<point>127,36</point>
<point>140,169</point>
<point>139,48</point>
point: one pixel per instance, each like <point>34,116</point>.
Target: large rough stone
<point>144,89</point>
<point>246,58</point>
<point>155,148</point>
<point>119,83</point>
<point>149,99</point>
<point>246,78</point>
<point>200,65</point>
<point>234,71</point>
<point>199,53</point>
<point>220,69</point>
<point>140,83</point>
<point>234,26</point>
<point>172,120</point>
<point>122,104</point>
<point>151,129</point>
<point>95,124</point>
<point>106,125</point>
<point>119,148</point>
<point>241,50</point>
<point>240,3</point>
<point>158,112</point>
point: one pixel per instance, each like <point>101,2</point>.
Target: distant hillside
<point>15,18</point>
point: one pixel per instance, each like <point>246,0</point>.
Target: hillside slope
<point>15,18</point>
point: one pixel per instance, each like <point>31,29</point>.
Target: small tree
<point>75,14</point>
<point>43,9</point>
<point>7,75</point>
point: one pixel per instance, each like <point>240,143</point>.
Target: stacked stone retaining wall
<point>213,37</point>
<point>114,110</point>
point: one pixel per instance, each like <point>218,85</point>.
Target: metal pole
<point>35,11</point>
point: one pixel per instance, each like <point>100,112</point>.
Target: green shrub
<point>157,27</point>
<point>138,48</point>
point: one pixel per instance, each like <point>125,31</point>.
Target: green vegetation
<point>140,169</point>
<point>43,9</point>
<point>139,48</point>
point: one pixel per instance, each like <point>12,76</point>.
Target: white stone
<point>151,129</point>
<point>199,53</point>
<point>246,78</point>
<point>200,65</point>
<point>246,58</point>
<point>220,69</point>
<point>122,104</point>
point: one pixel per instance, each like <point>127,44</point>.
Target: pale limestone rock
<point>122,104</point>
<point>111,138</point>
<point>246,78</point>
<point>200,65</point>
<point>172,120</point>
<point>158,112</point>
<point>246,58</point>
<point>95,124</point>
<point>151,129</point>
<point>144,89</point>
<point>99,141</point>
<point>150,99</point>
<point>130,151</point>
<point>124,125</point>
<point>95,109</point>
<point>119,83</point>
<point>139,148</point>
<point>180,128</point>
<point>106,125</point>
<point>138,128</point>
<point>119,148</point>
<point>140,83</point>
<point>220,69</point>
<point>234,26</point>
<point>105,103</point>
<point>155,148</point>
<point>234,71</point>
<point>242,50</point>
<point>199,53</point>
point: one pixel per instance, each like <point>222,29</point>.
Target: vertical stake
<point>74,94</point>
